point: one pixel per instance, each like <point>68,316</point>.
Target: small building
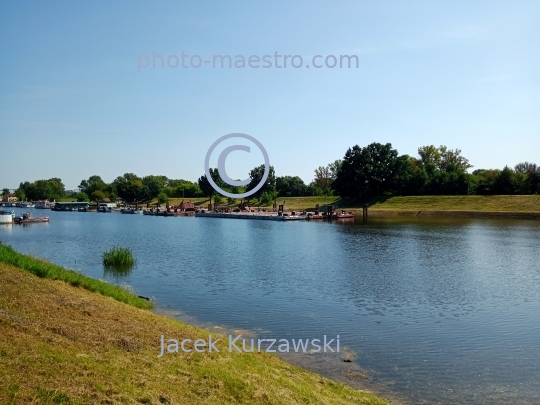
<point>10,198</point>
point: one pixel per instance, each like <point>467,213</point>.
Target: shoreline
<point>108,351</point>
<point>379,213</point>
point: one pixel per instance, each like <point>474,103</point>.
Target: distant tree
<point>51,189</point>
<point>153,186</point>
<point>129,187</point>
<point>231,201</point>
<point>218,199</point>
<point>505,183</point>
<point>94,183</point>
<point>256,176</point>
<point>162,198</point>
<point>367,171</point>
<point>526,167</point>
<point>442,157</point>
<point>20,194</point>
<point>532,181</point>
<point>268,198</point>
<point>81,196</point>
<point>205,186</point>
<point>289,186</point>
<point>182,188</point>
<point>5,194</point>
<point>323,178</point>
<point>98,195</point>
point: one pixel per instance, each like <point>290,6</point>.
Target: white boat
<point>6,217</point>
<point>26,204</point>
<point>130,211</point>
<point>287,217</point>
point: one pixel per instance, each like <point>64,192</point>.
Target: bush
<point>118,257</point>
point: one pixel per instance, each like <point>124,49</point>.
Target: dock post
<point>365,213</point>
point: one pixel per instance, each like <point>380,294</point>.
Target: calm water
<point>442,311</point>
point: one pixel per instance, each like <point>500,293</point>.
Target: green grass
<point>66,345</point>
<point>491,203</point>
<point>120,257</point>
<point>45,269</point>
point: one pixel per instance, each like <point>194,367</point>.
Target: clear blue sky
<point>72,103</point>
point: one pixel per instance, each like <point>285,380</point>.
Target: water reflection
<point>117,272</point>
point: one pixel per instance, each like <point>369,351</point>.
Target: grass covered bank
<point>472,203</point>
<point>44,269</point>
<point>490,203</point>
<point>66,345</point>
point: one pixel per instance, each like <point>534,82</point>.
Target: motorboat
<point>345,215</point>
<point>27,218</point>
<point>130,211</point>
<point>294,217</point>
<point>26,204</point>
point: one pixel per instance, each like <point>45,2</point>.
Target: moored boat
<point>130,211</point>
<point>44,204</point>
<point>345,215</point>
<point>26,204</point>
<point>27,218</point>
<point>6,217</point>
<point>294,217</point>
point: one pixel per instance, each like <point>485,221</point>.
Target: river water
<point>432,311</point>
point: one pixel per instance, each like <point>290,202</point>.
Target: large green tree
<point>153,186</point>
<point>129,187</point>
<point>94,183</point>
<point>291,186</point>
<point>368,171</point>
<point>256,176</point>
<point>51,189</point>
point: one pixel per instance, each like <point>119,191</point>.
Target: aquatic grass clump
<point>44,269</point>
<point>119,257</point>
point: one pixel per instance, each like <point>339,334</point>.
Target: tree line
<point>374,170</point>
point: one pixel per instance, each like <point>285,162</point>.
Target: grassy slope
<point>497,203</point>
<point>45,269</point>
<point>65,345</point>
<point>492,203</point>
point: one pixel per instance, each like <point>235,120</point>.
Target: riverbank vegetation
<point>376,170</point>
<point>66,345</point>
<point>44,269</point>
<point>118,256</point>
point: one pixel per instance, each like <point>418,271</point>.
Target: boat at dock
<point>26,204</point>
<point>27,218</point>
<point>6,217</point>
<point>130,211</point>
<point>44,204</point>
<point>345,215</point>
<point>293,217</point>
